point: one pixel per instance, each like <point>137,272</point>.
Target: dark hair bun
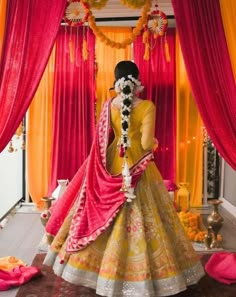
<point>125,68</point>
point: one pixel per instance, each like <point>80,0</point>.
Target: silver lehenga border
<point>111,288</point>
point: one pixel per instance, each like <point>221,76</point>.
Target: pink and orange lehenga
<point>120,248</point>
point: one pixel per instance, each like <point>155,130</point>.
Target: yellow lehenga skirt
<point>145,252</point>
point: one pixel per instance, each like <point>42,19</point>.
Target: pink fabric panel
<point>73,103</point>
<point>207,61</point>
<point>158,78</point>
<point>31,29</point>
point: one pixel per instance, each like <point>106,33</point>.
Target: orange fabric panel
<point>107,58</point>
<point>3,6</point>
<point>189,155</point>
<point>39,136</point>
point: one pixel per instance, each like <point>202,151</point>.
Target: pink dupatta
<point>94,193</point>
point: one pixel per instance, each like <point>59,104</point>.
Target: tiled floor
<point>23,233</point>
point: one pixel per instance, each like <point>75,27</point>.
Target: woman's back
<point>140,134</point>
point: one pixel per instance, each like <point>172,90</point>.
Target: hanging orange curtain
<point>3,7</point>
<point>189,142</point>
<point>228,12</point>
<point>39,135</point>
<point>107,58</point>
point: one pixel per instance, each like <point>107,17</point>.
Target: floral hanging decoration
<point>74,11</point>
<point>157,22</point>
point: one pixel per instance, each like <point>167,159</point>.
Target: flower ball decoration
<point>157,22</point>
<point>74,13</point>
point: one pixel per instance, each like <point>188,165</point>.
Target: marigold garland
<point>136,31</point>
<point>193,226</point>
<point>133,3</point>
<point>97,4</point>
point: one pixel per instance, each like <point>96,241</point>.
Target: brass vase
<point>208,238</point>
<point>183,197</point>
<point>215,220</point>
<point>45,214</point>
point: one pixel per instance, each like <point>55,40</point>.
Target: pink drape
<point>31,28</point>
<point>73,102</point>
<point>206,56</point>
<point>158,78</point>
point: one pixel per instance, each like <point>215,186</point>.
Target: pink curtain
<point>73,102</point>
<point>207,61</point>
<point>158,77</point>
<point>31,28</point>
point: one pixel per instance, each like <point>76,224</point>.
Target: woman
<point>115,228</point>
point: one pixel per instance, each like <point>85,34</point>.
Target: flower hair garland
<point>127,87</point>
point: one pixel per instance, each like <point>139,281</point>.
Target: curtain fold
<point>228,13</point>
<point>3,7</point>
<point>73,103</point>
<point>106,59</point>
<point>31,28</point>
<point>209,70</point>
<point>189,134</point>
<point>158,78</point>
<point>39,136</point>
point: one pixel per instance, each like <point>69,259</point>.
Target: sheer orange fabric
<point>39,136</point>
<point>3,6</point>
<point>189,140</point>
<point>228,12</point>
<point>107,58</point>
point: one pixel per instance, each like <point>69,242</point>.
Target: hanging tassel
<point>146,42</point>
<point>127,182</point>
<point>71,51</point>
<point>167,51</point>
<point>145,36</point>
<point>146,52</point>
<point>85,50</point>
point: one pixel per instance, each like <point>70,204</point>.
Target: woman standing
<point>115,228</point>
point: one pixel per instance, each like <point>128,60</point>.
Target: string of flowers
<point>136,31</point>
<point>126,87</point>
<point>133,3</point>
<point>97,4</point>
